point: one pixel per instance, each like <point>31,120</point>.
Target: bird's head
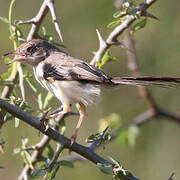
<point>32,52</point>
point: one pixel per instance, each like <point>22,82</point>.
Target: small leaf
<point>27,158</point>
<point>48,98</point>
<point>115,161</point>
<point>119,14</point>
<point>51,175</point>
<point>93,137</point>
<point>7,60</point>
<point>50,151</point>
<point>44,32</point>
<point>114,23</point>
<point>24,142</point>
<point>66,163</point>
<point>78,106</point>
<point>112,121</point>
<point>105,168</point>
<point>104,59</point>
<point>3,19</point>
<point>16,122</point>
<point>114,59</point>
<point>141,24</point>
<point>37,173</point>
<point>16,150</point>
<point>133,132</point>
<point>122,138</point>
<point>40,103</point>
<point>31,84</point>
<point>16,22</point>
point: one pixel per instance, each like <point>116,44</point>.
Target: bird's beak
<point>19,59</point>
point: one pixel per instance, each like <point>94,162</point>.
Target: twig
<point>55,157</point>
<point>171,177</point>
<point>112,38</point>
<point>21,81</point>
<point>35,156</point>
<point>37,20</point>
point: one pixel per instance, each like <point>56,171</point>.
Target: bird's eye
<point>29,49</point>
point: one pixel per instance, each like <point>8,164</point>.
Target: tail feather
<point>164,82</point>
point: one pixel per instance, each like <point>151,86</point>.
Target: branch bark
<point>35,122</point>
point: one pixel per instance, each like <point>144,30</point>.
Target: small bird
<point>72,80</point>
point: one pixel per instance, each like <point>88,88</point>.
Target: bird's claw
<point>73,139</point>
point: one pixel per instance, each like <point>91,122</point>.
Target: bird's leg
<point>82,113</point>
<point>66,109</point>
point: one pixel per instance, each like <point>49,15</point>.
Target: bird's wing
<point>68,68</point>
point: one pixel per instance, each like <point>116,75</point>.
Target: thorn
<point>101,40</point>
<point>147,14</point>
<point>52,9</point>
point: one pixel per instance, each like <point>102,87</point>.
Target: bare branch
<point>37,20</point>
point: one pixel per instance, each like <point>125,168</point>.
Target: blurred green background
<point>157,151</point>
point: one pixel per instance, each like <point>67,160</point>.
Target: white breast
<point>69,91</point>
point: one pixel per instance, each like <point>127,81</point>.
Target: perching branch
<point>84,151</point>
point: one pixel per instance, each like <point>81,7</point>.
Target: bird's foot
<point>52,116</point>
<point>73,139</point>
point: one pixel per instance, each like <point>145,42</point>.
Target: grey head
<point>33,51</point>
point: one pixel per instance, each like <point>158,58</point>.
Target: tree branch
<point>35,122</point>
<point>112,38</point>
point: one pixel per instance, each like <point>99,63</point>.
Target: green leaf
<point>50,151</point>
<point>78,106</point>
<point>52,174</point>
<point>133,132</point>
<point>114,59</point>
<point>93,137</point>
<point>122,138</point>
<point>16,22</point>
<point>3,19</point>
<point>24,142</point>
<point>44,32</point>
<point>16,122</point>
<point>104,59</point>
<point>27,158</point>
<point>119,14</point>
<point>40,103</point>
<point>48,98</point>
<point>31,84</point>
<point>112,121</point>
<point>66,163</point>
<point>16,150</point>
<point>105,168</point>
<point>141,24</point>
<point>114,23</point>
<point>7,60</point>
<point>115,161</point>
<point>37,173</point>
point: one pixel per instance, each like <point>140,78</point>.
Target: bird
<point>72,80</point>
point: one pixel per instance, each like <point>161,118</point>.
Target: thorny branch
<point>84,151</point>
<point>37,20</point>
<point>112,38</point>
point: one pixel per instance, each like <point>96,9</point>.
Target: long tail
<point>147,81</point>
